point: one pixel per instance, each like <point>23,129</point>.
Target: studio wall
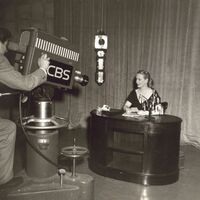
<point>161,36</point>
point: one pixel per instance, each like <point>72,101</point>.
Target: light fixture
<point>101,46</point>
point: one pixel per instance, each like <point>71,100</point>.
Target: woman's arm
<point>127,105</point>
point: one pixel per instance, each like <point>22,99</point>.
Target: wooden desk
<point>138,150</point>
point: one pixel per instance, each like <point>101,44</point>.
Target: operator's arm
<point>15,80</point>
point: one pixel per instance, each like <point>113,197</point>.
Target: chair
<point>164,105</point>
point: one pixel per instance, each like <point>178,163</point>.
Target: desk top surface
<point>116,114</point>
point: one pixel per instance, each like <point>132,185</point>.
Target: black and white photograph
<point>99,99</point>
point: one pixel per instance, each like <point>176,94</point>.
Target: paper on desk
<point>136,114</point>
<point>130,114</point>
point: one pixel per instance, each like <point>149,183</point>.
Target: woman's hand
<point>131,110</point>
<point>143,112</point>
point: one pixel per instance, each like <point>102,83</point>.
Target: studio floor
<point>186,188</point>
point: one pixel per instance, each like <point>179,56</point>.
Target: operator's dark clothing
<point>13,79</point>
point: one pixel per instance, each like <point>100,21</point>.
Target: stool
<point>84,181</point>
<point>74,152</point>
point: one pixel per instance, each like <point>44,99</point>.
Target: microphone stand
<point>150,113</point>
<point>150,106</point>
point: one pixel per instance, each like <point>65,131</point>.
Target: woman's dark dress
<point>132,97</point>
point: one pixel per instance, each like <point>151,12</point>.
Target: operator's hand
<point>43,62</point>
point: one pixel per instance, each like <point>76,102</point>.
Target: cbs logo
<point>58,72</point>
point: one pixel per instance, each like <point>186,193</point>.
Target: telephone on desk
<point>107,110</point>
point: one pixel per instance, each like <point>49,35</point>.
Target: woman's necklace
<point>143,95</point>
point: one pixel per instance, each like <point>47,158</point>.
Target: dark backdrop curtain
<point>161,36</point>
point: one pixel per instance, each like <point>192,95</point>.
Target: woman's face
<point>141,81</point>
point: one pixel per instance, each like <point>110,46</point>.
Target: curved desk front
<point>139,150</point>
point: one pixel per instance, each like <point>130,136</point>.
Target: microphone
<point>149,105</point>
<point>16,47</point>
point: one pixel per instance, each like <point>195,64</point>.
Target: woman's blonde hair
<point>146,75</point>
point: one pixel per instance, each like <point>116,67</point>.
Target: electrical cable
<point>102,13</point>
